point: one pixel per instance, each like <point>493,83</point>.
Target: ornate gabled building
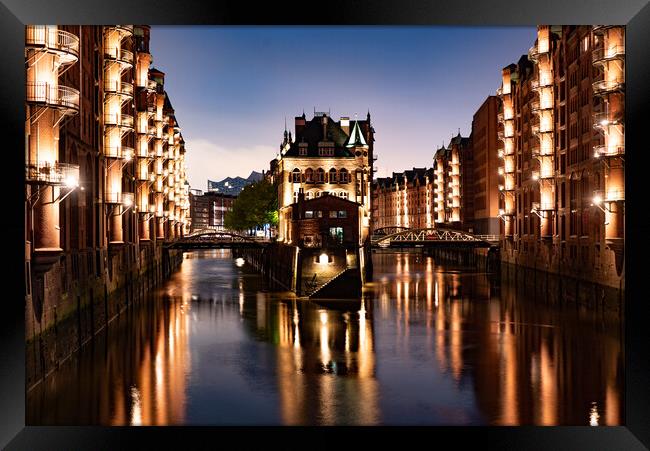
<point>405,199</point>
<point>562,145</point>
<point>325,156</point>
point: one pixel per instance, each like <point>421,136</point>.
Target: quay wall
<point>81,293</point>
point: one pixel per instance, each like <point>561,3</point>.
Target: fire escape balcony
<point>119,55</point>
<point>54,174</point>
<point>543,206</point>
<point>122,120</point>
<point>117,87</point>
<point>60,97</point>
<point>123,29</point>
<point>125,153</point>
<point>538,84</point>
<point>609,151</point>
<point>534,53</point>
<point>600,29</point>
<point>610,195</point>
<point>603,120</point>
<point>63,43</point>
<point>603,55</point>
<point>125,199</point>
<point>507,212</point>
<point>605,87</point>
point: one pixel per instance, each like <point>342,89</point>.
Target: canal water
<point>428,344</point>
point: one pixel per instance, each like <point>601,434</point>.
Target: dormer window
<point>326,149</point>
<point>302,149</point>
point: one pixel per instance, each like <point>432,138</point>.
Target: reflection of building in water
<point>528,362</point>
<point>157,392</point>
<point>325,361</point>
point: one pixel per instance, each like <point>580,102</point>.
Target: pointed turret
<point>356,137</point>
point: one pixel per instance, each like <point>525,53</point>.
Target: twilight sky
<point>232,87</point>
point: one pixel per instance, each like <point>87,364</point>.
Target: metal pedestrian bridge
<point>405,237</point>
<point>211,239</point>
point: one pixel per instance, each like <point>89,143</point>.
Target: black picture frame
<point>635,14</point>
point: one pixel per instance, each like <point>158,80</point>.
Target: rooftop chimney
<point>345,125</point>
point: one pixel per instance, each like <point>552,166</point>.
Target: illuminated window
<point>309,214</point>
<point>332,175</point>
<point>336,233</point>
<point>320,175</point>
<point>296,175</point>
<point>343,214</point>
<point>343,175</point>
<point>309,175</point>
<point>333,214</point>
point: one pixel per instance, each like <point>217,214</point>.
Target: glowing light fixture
<point>239,262</point>
<point>323,259</point>
<point>71,181</point>
<point>597,200</point>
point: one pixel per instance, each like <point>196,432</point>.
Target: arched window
<point>333,175</point>
<point>295,176</point>
<point>309,175</point>
<point>343,176</point>
<point>320,175</point>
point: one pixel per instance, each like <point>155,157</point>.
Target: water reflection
<point>427,344</point>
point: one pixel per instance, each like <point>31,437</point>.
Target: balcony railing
<point>123,120</point>
<point>118,152</point>
<point>533,53</point>
<point>609,151</point>
<point>604,87</point>
<point>51,95</point>
<point>605,119</point>
<point>118,87</point>
<point>600,29</point>
<point>119,54</point>
<point>539,84</point>
<point>125,29</point>
<point>62,42</point>
<point>125,199</point>
<point>602,55</point>
<point>56,174</point>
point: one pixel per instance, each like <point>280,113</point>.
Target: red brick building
<point>325,221</point>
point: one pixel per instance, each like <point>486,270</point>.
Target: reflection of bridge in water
<point>216,239</point>
<point>398,236</point>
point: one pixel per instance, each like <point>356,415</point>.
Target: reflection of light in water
<point>239,262</point>
<point>136,407</point>
<point>241,297</point>
<point>435,293</point>
<point>593,415</point>
<point>324,338</point>
<point>296,332</point>
<point>362,327</point>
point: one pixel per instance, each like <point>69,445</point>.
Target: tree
<point>256,205</point>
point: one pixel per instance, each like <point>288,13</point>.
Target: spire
<point>356,137</point>
<point>368,117</point>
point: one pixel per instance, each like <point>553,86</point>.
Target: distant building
<point>454,170</point>
<point>234,185</point>
<point>405,199</point>
<point>208,210</point>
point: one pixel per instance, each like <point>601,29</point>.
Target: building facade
<point>104,166</point>
<point>562,147</point>
<point>454,171</point>
<point>326,156</point>
<point>486,168</point>
<point>405,199</point>
<point>208,210</point>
